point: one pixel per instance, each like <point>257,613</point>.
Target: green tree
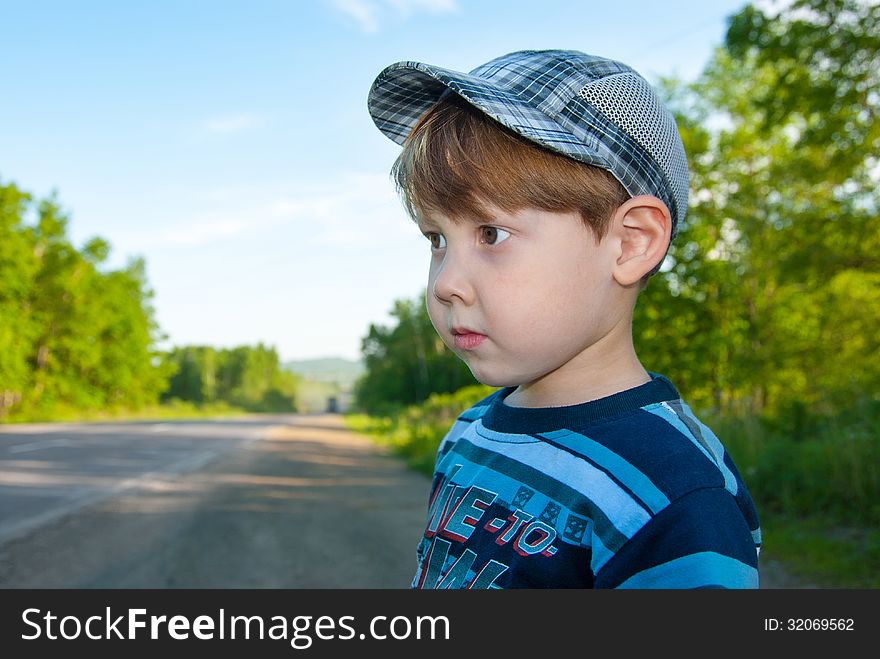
<point>773,285</point>
<point>72,333</point>
<point>195,374</point>
<point>18,269</point>
<point>408,362</point>
<point>250,377</point>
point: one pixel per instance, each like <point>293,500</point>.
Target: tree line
<point>72,334</point>
<point>247,377</point>
<point>76,335</point>
<point>769,301</point>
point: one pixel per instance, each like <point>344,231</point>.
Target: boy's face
<point>534,284</point>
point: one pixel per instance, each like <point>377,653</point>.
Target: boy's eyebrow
<point>427,223</point>
<point>424,223</point>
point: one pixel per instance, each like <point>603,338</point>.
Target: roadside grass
<point>385,432</point>
<point>815,482</point>
<point>172,410</point>
<point>415,432</point>
<point>824,554</point>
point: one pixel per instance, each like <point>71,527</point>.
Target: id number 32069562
<point>809,624</point>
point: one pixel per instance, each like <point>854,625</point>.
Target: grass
<point>173,410</point>
<point>415,432</point>
<point>385,432</point>
<point>829,470</point>
<point>821,553</point>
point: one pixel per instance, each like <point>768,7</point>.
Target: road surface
<point>290,501</point>
<point>293,501</point>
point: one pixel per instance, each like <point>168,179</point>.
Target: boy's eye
<point>493,235</point>
<point>437,240</point>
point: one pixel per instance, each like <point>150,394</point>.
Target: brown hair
<point>457,161</point>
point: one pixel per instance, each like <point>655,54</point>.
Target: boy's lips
<point>466,339</point>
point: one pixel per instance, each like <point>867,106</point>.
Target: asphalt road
<point>292,501</point>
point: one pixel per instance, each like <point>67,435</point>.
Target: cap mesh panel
<point>628,101</point>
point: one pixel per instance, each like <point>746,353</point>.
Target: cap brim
<point>404,91</point>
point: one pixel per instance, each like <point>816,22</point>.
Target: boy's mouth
<point>466,339</point>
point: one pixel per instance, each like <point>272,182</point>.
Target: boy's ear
<point>642,227</point>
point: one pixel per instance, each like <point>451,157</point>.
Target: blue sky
<point>228,143</point>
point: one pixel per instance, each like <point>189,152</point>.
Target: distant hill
<point>329,369</point>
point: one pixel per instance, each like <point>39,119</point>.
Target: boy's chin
<point>484,376</point>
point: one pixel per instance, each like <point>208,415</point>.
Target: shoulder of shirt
<point>682,456</point>
<point>471,414</point>
<point>677,468</point>
<point>478,409</point>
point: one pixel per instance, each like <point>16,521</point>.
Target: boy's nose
<point>451,281</point>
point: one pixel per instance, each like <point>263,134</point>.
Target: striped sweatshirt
<point>628,491</point>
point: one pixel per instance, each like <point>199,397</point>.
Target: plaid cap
<point>594,110</point>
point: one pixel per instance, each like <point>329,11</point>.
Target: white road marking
<point>36,446</point>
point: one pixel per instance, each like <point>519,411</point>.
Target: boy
<point>549,184</point>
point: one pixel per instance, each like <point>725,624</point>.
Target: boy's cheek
<point>435,313</point>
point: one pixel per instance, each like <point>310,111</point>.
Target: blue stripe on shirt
<point>701,570</point>
<point>716,452</point>
<point>634,480</point>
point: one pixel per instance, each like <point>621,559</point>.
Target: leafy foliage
<point>247,377</point>
<point>71,333</point>
<point>407,363</point>
<point>773,285</point>
<point>415,432</point>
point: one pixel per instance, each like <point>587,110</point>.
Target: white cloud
<point>230,124</point>
<point>355,210</point>
<point>364,211</point>
<point>205,228</point>
<point>408,7</point>
<point>362,11</point>
<point>368,14</point>
<point>772,7</point>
